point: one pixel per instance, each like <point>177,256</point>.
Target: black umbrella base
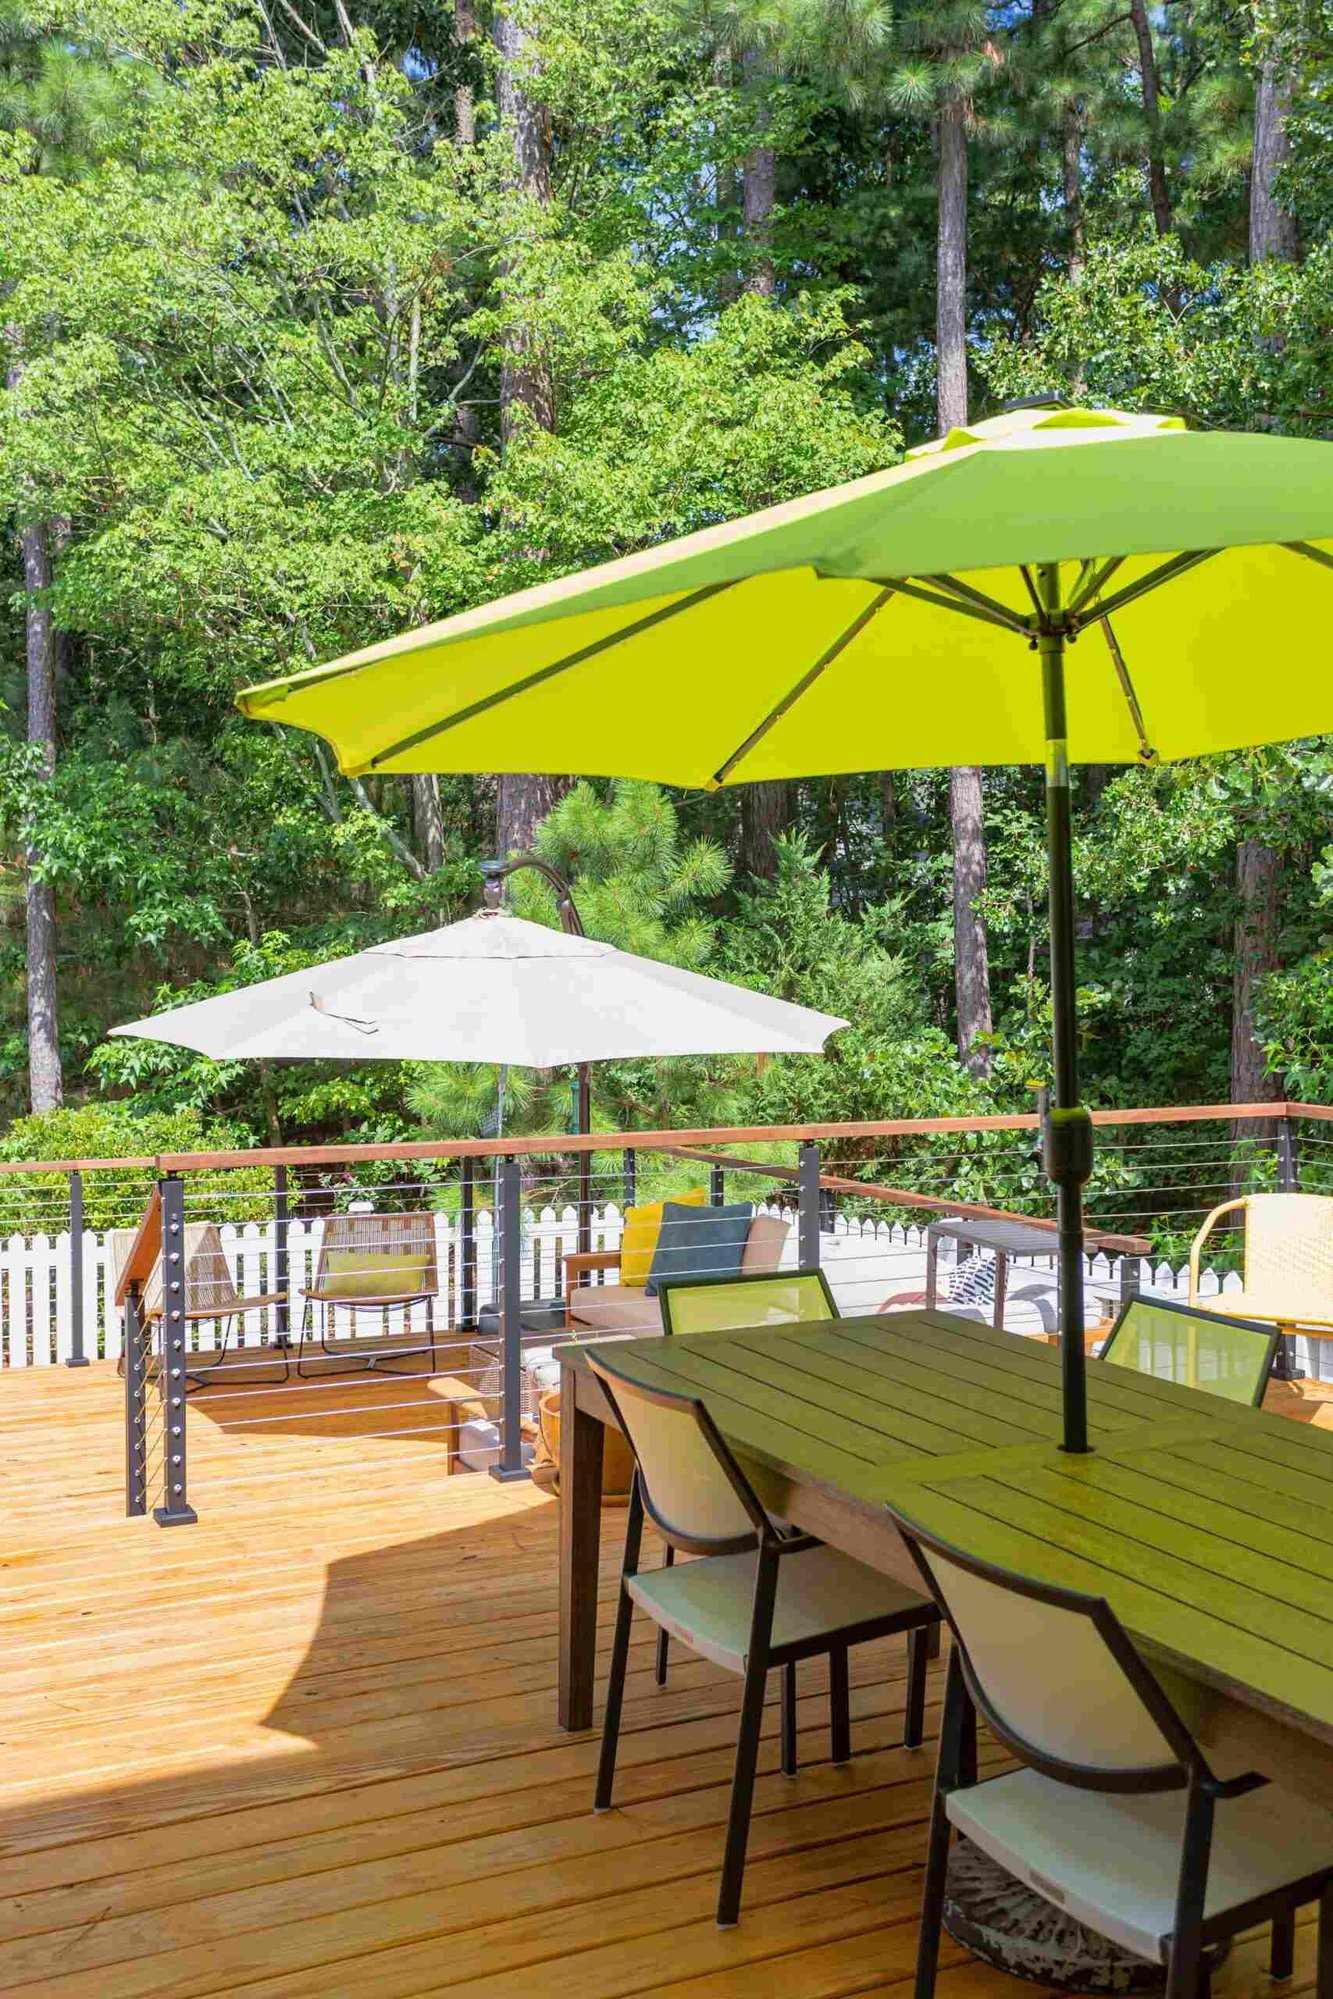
<point>1005,1923</point>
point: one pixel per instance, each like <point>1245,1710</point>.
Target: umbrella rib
<point>1177,566</point>
<point>999,614</point>
<point>1092,582</point>
<point>1310,552</point>
<point>1146,750</point>
<point>807,679</point>
<point>544,673</point>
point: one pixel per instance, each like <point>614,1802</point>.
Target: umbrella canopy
<point>809,639</point>
<point>921,616</point>
<point>492,988</point>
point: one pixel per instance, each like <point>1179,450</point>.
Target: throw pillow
<point>700,1242</point>
<point>638,1238</point>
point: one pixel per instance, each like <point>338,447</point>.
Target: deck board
<point>308,1747</point>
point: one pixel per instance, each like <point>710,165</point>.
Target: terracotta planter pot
<point>617,1458</point>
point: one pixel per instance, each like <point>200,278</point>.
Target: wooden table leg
<point>581,1438</point>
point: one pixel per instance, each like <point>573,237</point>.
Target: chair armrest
<point>1209,1224</point>
<point>580,1261</point>
<point>591,1259</point>
<point>229,1310</point>
<point>578,1264</point>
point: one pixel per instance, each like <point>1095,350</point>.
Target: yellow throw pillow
<point>638,1239</point>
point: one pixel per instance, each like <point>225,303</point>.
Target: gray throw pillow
<point>699,1242</point>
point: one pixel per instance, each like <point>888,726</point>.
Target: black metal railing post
<point>282,1217</point>
<point>136,1440</point>
<point>717,1186</point>
<point>1285,1366</point>
<point>510,1465</point>
<point>467,1244</point>
<point>629,1177</point>
<point>77,1356</point>
<point>808,1206</point>
<point>175,1510</point>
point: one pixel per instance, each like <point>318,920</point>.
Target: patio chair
<point>758,1596</point>
<point>1286,1261</point>
<point>210,1294</point>
<point>1229,1357</point>
<point>726,1305</point>
<point>370,1263</point>
<point>1116,1815</point>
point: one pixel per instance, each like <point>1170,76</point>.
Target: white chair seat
<point>707,1604</point>
<point>1112,1861</point>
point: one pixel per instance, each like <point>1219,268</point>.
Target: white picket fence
<point>36,1323</point>
<point>867,1261</point>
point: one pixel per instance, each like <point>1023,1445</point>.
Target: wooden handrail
<point>145,1250</point>
<point>973,1211</point>
<point>645,1141</point>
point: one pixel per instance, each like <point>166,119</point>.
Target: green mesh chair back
<point>1228,1357</point>
<point>730,1304</point>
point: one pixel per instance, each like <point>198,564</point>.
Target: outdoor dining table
<point>1181,1516</point>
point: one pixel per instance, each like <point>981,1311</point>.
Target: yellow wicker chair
<point>369,1263</point>
<point>210,1292</point>
<point>1286,1261</point>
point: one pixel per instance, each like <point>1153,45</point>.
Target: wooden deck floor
<point>306,1749</point>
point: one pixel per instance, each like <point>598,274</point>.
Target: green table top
<point>1207,1525</point>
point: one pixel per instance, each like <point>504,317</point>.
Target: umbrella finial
<point>493,878</point>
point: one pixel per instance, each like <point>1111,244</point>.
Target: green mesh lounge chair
<point>1228,1357</point>
<point>758,1596</point>
<point>730,1304</point>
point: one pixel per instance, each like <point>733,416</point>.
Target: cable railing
<point>420,1290</point>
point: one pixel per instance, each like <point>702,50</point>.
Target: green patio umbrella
<point>1052,585</point>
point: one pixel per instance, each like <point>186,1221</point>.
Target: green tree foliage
<point>262,265</point>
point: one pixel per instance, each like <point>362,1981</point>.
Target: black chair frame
<point>1187,1975</point>
<point>741,1278</point>
<point>738,1281</point>
<point>1270,1335</point>
<point>762,1655</point>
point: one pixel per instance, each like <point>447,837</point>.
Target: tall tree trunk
<point>465,109</point>
<point>765,813</point>
<point>951,264</point>
<point>888,803</point>
<point>46,1086</point>
<point>523,803</point>
<point>526,389</point>
<point>971,958</point>
<point>525,377</point>
<point>1071,147</point>
<point>427,819</point>
<point>1256,952</point>
<point>1272,227</point>
<point>1151,89</point>
<point>758,198</point>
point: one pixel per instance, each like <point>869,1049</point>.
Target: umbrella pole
<point>1067,1130</point>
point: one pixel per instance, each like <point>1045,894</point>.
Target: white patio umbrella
<point>493,988</point>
